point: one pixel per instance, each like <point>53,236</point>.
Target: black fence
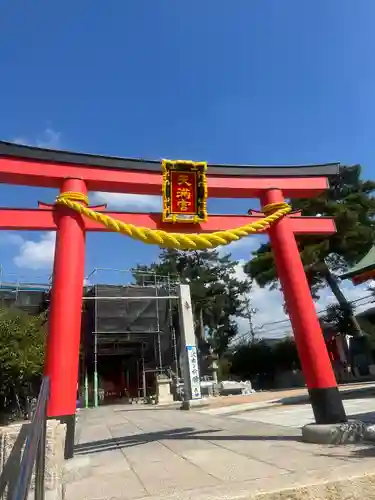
<point>35,450</point>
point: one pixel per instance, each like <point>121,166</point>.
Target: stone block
<point>12,443</point>
<point>163,386</point>
<point>352,431</point>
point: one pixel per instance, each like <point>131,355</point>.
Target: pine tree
<point>351,204</point>
<point>216,292</point>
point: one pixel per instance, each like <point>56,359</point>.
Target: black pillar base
<point>70,421</point>
<point>327,406</point>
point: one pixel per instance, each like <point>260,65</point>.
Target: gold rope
<point>180,241</point>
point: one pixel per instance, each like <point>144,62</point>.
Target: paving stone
<point>178,455</point>
<point>77,468</point>
<point>108,457</point>
<point>125,485</point>
<point>229,466</point>
<point>152,454</point>
<point>172,477</point>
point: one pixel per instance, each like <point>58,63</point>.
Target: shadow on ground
<point>131,407</point>
<point>172,434</point>
<point>367,451</point>
<point>363,392</point>
<point>367,418</point>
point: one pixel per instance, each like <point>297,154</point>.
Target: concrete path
<point>129,452</point>
<point>226,405</point>
<point>299,415</point>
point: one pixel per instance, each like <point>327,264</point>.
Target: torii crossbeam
<point>72,172</point>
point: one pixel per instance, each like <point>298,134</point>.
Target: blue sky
<point>260,82</point>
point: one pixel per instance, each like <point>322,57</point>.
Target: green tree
<point>338,318</point>
<point>253,359</point>
<point>350,202</point>
<point>286,355</point>
<point>21,356</point>
<point>217,294</point>
<point>260,358</point>
<point>261,362</point>
<point>225,365</point>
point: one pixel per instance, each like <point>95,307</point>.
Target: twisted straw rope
<point>78,202</point>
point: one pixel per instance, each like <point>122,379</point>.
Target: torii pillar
<point>62,353</point>
<point>324,394</point>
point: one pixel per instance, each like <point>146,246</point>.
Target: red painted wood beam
<point>362,278</point>
<point>44,174</point>
<point>43,220</point>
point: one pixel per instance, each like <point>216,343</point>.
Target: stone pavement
<point>299,415</point>
<point>132,452</point>
<point>282,396</point>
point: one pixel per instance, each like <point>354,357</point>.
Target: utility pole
<point>250,311</point>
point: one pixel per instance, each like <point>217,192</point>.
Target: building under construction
<point>129,333</point>
<point>128,337</point>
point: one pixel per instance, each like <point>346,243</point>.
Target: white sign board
<point>195,383</point>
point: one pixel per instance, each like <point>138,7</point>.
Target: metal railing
<point>35,450</point>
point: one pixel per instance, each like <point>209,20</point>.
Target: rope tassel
<point>78,202</point>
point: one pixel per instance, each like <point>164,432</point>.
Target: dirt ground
<point>258,397</point>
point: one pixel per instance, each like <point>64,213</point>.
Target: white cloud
<point>267,302</point>
<point>36,254</point>
<point>22,141</point>
<point>269,306</point>
<point>48,139</point>
<point>129,201</point>
<point>244,247</point>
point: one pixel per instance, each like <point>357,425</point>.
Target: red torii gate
<point>74,172</point>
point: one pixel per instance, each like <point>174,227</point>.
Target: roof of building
<point>8,149</point>
<point>368,313</point>
<point>366,264</point>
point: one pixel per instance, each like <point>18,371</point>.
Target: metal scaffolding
<point>132,330</point>
<point>22,293</point>
<point>151,339</point>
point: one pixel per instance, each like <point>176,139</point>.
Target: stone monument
<point>163,390</point>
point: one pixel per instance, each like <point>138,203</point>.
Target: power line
<point>261,330</point>
<point>321,311</point>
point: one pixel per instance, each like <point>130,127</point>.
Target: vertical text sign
<point>195,384</point>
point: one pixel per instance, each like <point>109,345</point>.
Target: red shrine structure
<point>81,173</point>
<point>363,271</point>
